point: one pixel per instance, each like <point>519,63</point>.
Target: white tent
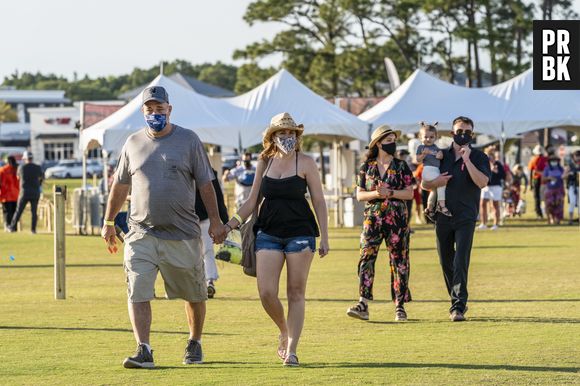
<point>211,119</point>
<point>282,92</point>
<point>423,97</point>
<point>526,109</point>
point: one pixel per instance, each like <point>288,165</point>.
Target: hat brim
<point>374,141</point>
<point>271,130</point>
<point>155,100</point>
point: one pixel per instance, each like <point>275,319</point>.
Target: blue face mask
<point>156,121</point>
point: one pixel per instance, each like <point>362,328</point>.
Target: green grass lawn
<point>523,328</point>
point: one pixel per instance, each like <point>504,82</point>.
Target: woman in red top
<point>9,189</point>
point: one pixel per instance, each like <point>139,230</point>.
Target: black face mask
<point>389,148</point>
<point>462,139</point>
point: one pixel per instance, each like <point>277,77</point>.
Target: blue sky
<point>111,37</point>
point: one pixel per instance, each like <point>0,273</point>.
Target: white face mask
<point>286,145</point>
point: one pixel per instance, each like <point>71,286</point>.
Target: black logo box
<point>573,28</point>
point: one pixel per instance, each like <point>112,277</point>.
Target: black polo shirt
<point>462,194</point>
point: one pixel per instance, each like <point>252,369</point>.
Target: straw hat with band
<point>282,121</point>
<point>381,132</point>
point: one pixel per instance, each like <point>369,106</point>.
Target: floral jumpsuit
<point>385,219</point>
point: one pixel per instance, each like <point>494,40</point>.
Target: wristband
<point>238,218</point>
<point>110,223</point>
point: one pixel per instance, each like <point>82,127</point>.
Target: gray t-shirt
<point>163,173</point>
<point>430,159</point>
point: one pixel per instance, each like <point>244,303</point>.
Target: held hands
<point>217,232</point>
<point>323,249</point>
<point>465,152</point>
<point>108,234</point>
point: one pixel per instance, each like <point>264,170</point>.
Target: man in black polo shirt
<point>465,171</point>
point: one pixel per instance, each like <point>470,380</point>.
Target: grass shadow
<point>444,366</point>
<point>525,319</point>
<point>100,329</point>
<point>67,266</point>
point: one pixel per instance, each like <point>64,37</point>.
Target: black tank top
<point>285,211</point>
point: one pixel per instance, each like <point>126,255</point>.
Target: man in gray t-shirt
<point>163,164</point>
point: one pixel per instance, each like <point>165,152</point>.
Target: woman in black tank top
<point>286,227</point>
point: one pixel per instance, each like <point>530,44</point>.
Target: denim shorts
<point>286,245</point>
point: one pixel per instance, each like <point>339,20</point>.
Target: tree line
<point>337,47</point>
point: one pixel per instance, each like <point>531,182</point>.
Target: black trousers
<point>537,196</point>
<point>8,208</point>
<point>22,201</point>
<point>454,243</point>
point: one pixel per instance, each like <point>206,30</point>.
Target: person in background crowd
<point>385,184</point>
<point>412,145</point>
<point>121,217</point>
<point>420,196</point>
<point>404,155</point>
<point>9,190</point>
<point>493,192</point>
<point>244,175</point>
<point>536,167</point>
<point>30,176</point>
<point>519,178</point>
<point>571,174</point>
<point>211,273</point>
<point>553,178</point>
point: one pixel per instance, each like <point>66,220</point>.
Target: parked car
<point>229,161</point>
<point>74,169</point>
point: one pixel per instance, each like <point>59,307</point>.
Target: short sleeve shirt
<point>462,194</point>
<point>163,174</point>
<point>430,159</point>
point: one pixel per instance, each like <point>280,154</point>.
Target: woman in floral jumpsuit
<point>385,183</point>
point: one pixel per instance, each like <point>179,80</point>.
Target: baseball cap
<point>155,93</point>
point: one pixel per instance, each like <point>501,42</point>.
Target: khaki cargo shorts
<point>180,262</point>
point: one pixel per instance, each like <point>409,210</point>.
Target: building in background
<point>21,101</point>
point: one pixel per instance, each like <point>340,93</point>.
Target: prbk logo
<point>556,54</point>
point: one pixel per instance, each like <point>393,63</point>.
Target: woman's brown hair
<point>270,148</point>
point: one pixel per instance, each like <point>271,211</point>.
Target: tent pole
<point>105,172</point>
<point>502,145</point>
<point>84,151</point>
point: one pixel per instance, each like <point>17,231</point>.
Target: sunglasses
<point>466,132</point>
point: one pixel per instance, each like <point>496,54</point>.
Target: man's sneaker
<point>210,289</point>
<point>494,228</point>
<point>143,359</point>
<point>193,353</point>
<point>400,314</point>
<point>457,316</point>
<point>359,311</point>
<point>291,360</point>
<point>482,227</point>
